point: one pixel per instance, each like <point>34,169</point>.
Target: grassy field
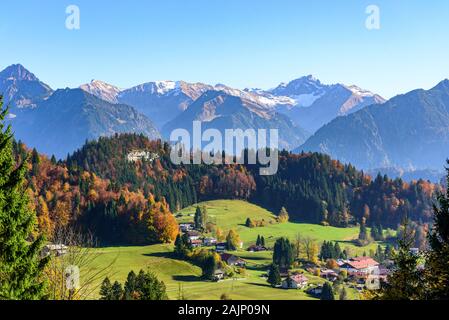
<point>182,276</point>
<point>229,214</point>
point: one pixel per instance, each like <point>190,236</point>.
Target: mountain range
<point>22,89</point>
<point>406,133</point>
<point>409,131</point>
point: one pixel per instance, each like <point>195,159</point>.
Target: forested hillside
<point>99,190</point>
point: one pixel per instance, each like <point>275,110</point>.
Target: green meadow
<point>183,278</point>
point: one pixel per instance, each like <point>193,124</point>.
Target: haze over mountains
<point>408,132</point>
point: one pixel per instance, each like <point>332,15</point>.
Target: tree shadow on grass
<point>167,255</point>
<point>186,278</point>
<point>260,284</point>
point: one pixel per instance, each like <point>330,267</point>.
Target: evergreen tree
<point>106,290</point>
<point>283,254</point>
<point>250,223</point>
<point>437,259</point>
<point>116,291</point>
<point>274,276</point>
<point>363,234</point>
<point>149,287</point>
<point>262,241</point>
<point>209,267</point>
<point>406,281</point>
<point>130,286</point>
<point>198,219</point>
<point>328,292</point>
<point>258,241</point>
<point>20,264</point>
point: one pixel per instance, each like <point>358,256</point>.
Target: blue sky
<point>241,43</point>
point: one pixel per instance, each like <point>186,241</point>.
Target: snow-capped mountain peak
<point>102,90</point>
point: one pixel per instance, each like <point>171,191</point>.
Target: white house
<point>297,281</point>
<point>137,155</point>
<point>209,242</point>
<point>362,266</point>
<point>57,249</point>
<point>193,235</point>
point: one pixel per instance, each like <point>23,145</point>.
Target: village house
<point>218,275</point>
<point>220,247</point>
<point>362,266</point>
<point>196,243</point>
<point>209,242</point>
<point>297,281</point>
<point>315,291</point>
<point>138,155</point>
<point>255,248</point>
<point>329,274</point>
<point>232,260</point>
<point>56,249</point>
<point>193,235</point>
<point>186,227</point>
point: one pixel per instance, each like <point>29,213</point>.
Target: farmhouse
<point>186,227</point>
<point>232,260</point>
<point>255,248</point>
<point>193,235</point>
<point>328,274</point>
<point>316,291</point>
<point>218,275</point>
<point>137,155</point>
<point>209,241</point>
<point>297,281</point>
<point>220,247</point>
<point>57,249</point>
<point>361,266</point>
<point>196,243</point>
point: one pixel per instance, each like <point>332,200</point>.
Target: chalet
<point>196,243</point>
<point>186,227</point>
<point>56,249</point>
<point>232,260</point>
<point>315,291</point>
<point>297,281</point>
<point>209,242</point>
<point>138,155</point>
<point>362,266</point>
<point>255,248</point>
<point>193,235</point>
<point>218,275</point>
<point>329,274</point>
<point>220,247</point>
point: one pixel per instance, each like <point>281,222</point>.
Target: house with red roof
<point>296,281</point>
<point>361,266</point>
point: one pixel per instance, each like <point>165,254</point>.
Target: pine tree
<point>106,290</point>
<point>437,259</point>
<point>262,241</point>
<point>274,276</point>
<point>328,292</point>
<point>406,281</point>
<point>116,291</point>
<point>130,286</point>
<point>20,264</point>
<point>283,254</point>
<point>363,235</point>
